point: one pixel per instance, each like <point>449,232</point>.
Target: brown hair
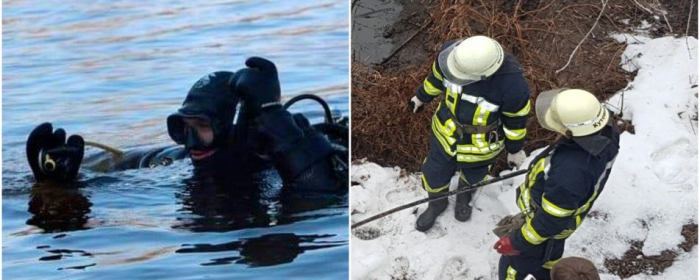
<point>574,268</point>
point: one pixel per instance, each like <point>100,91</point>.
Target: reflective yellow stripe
<point>435,72</point>
<point>477,139</point>
<point>430,89</point>
<point>536,170</point>
<point>523,112</point>
<point>550,264</point>
<point>564,234</point>
<point>510,273</point>
<point>555,210</point>
<point>472,149</point>
<point>431,190</point>
<point>450,95</point>
<point>475,158</point>
<point>515,134</point>
<point>475,120</point>
<point>523,204</point>
<point>461,176</point>
<point>445,141</point>
<point>447,130</point>
<point>526,197</point>
<point>486,117</point>
<point>531,235</point>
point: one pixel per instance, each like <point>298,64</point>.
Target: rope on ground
<point>442,196</point>
<point>605,3</point>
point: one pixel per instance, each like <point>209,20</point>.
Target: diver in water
<point>307,157</point>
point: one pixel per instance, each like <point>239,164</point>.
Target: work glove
<point>509,224</point>
<point>415,105</point>
<point>257,85</point>
<point>504,247</point>
<point>51,157</point>
<point>516,159</point>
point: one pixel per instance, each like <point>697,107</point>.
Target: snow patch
<point>650,195</point>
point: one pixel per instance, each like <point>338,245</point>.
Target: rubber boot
<point>463,211</point>
<point>426,220</point>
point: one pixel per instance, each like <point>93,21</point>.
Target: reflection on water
<point>57,209</point>
<point>266,250</point>
<point>112,71</point>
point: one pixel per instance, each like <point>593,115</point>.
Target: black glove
<point>257,85</point>
<point>51,157</point>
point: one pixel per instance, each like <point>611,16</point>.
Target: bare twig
<point>687,26</point>
<point>691,124</point>
<point>605,3</point>
<point>668,24</point>
<point>372,12</point>
<point>643,8</point>
<point>406,42</point>
<point>657,9</point>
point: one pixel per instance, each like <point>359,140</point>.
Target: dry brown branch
<point>602,9</point>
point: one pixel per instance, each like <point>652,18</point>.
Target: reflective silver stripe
<point>453,87</point>
<point>479,140</point>
<point>494,147</point>
<point>583,208</point>
<point>470,98</point>
<point>514,134</point>
<point>608,166</point>
<point>480,119</point>
<point>488,106</point>
<point>548,165</point>
<point>598,117</point>
<point>555,210</point>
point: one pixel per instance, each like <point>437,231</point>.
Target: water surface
<point>112,71</point>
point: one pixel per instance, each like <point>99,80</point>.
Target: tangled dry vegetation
<point>541,34</point>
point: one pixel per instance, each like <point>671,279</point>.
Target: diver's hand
<point>51,157</point>
<point>258,85</point>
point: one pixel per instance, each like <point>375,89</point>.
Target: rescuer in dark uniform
<point>563,182</point>
<point>484,111</point>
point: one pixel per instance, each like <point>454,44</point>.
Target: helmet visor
<point>443,58</point>
<point>546,117</point>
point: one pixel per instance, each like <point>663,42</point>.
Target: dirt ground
<point>541,34</point>
<point>634,262</point>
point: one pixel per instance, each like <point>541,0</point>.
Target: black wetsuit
<point>315,167</point>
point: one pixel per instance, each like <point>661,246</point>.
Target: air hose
<point>112,150</point>
<point>326,109</point>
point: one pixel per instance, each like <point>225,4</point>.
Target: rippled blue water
<point>112,71</point>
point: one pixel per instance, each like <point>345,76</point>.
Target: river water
<point>112,71</point>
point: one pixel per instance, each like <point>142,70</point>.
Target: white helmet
<point>470,60</point>
<point>574,110</point>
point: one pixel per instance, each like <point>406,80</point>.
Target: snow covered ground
<point>651,194</point>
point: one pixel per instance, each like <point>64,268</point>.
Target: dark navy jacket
<point>562,187</point>
<point>503,97</point>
